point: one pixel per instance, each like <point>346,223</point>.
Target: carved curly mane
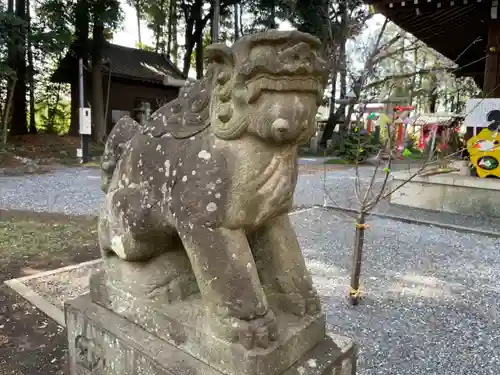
<point>185,116</point>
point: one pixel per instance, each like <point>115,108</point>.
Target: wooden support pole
<point>491,85</point>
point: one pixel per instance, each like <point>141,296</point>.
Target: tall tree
<point>82,20</point>
<point>19,125</point>
<point>138,10</point>
<point>236,14</point>
<point>98,120</point>
<point>172,47</point>
<point>105,16</point>
<point>31,72</point>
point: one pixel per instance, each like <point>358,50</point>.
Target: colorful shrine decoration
<point>369,123</point>
<point>401,113</point>
<point>484,151</point>
<point>399,117</point>
<point>400,108</point>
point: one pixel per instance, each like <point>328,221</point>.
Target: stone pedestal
<point>105,343</point>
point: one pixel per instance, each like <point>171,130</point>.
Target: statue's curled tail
<point>122,132</point>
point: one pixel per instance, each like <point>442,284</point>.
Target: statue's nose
<point>281,126</point>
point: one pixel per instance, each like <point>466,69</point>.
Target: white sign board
<point>85,121</point>
<point>477,110</point>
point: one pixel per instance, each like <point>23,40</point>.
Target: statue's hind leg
<point>146,261</point>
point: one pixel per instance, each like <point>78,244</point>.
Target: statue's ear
<point>219,54</point>
<point>220,62</point>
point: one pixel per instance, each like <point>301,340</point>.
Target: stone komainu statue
<point>197,199</point>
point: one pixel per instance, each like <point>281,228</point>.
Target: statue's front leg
<point>225,270</point>
<point>282,267</point>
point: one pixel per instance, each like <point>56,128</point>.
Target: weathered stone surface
<point>185,324</point>
<point>104,343</point>
<point>202,191</point>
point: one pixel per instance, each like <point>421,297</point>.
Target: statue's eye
<point>262,52</point>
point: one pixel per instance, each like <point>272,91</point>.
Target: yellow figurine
<point>484,151</point>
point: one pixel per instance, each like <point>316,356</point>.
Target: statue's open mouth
<point>307,84</point>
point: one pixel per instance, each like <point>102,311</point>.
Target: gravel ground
<point>73,191</point>
<point>76,191</point>
<point>431,295</point>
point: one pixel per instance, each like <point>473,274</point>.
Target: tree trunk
<point>272,23</point>
<point>11,62</point>
<point>52,111</point>
<point>171,20</point>
<point>414,78</point>
<point>343,125</point>
<point>199,55</point>
<point>138,15</point>
<point>82,18</point>
<point>357,257</point>
<point>433,95</point>
<point>74,126</point>
<point>175,44</point>
<point>157,34</point>
<point>6,112</point>
<point>332,118</point>
<point>236,23</point>
<point>31,75</point>
<point>19,125</point>
<point>159,27</point>
<point>187,54</point>
<point>97,82</point>
<point>189,42</point>
<point>241,19</point>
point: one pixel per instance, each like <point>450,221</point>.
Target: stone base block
<point>187,326</point>
<point>102,342</point>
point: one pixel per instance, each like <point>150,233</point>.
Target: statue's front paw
<point>313,304</point>
<point>254,333</point>
<point>257,333</point>
<point>298,297</point>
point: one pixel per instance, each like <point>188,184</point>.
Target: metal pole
<point>84,144</point>
<point>216,21</point>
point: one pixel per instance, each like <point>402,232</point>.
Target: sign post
<point>85,123</point>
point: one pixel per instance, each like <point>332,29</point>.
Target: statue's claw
<point>254,333</point>
<point>259,332</point>
<point>298,296</point>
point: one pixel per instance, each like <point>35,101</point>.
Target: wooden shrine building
<point>131,78</point>
<point>465,31</point>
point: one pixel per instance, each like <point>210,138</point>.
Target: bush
<point>358,146</point>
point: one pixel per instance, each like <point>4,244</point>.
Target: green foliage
<point>10,36</point>
<point>411,143</point>
<point>357,147</point>
<point>53,119</point>
<point>144,46</point>
<point>262,12</point>
<point>52,31</point>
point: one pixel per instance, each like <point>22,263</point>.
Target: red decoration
<point>400,108</point>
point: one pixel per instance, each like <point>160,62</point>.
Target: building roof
<point>456,29</point>
<point>439,119</point>
<point>124,62</point>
